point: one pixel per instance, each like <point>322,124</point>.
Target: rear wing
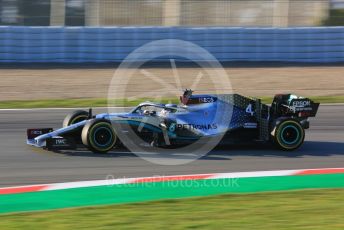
<point>291,105</point>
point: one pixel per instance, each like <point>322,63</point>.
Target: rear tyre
<point>99,136</point>
<point>75,117</point>
<point>288,135</point>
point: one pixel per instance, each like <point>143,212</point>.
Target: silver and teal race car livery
<point>226,118</point>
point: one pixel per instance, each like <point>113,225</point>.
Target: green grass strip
<point>78,103</point>
<point>119,194</point>
<point>102,102</point>
<point>298,210</point>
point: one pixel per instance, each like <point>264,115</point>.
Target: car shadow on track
<point>310,148</point>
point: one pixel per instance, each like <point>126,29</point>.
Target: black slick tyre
<point>98,136</point>
<point>75,117</point>
<point>288,135</point>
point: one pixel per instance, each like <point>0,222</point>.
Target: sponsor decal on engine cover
<point>196,126</point>
<point>207,99</point>
<point>250,125</point>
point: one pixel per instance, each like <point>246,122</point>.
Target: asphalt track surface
<point>24,165</point>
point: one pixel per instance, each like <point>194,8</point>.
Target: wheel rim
<point>290,135</point>
<point>103,137</point>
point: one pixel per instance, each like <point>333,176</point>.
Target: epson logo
<point>301,103</point>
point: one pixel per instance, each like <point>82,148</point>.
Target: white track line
<point>47,109</point>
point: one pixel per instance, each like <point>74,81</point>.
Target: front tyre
<point>288,135</point>
<point>98,136</point>
<point>75,117</point>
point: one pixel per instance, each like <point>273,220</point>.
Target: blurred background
<point>83,38</point>
<point>266,13</point>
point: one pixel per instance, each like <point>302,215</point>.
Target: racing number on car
<point>172,127</point>
<point>249,109</point>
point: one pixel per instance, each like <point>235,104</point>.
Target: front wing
<point>42,137</point>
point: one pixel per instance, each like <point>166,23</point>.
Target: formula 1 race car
<point>232,117</point>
